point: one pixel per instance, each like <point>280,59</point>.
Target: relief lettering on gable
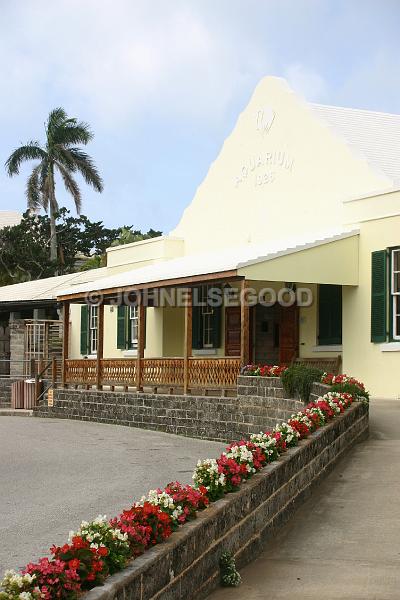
<point>263,168</point>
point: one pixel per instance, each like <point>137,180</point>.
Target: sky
<point>162,83</point>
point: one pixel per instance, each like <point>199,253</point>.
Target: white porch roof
<point>236,259</point>
<point>47,289</point>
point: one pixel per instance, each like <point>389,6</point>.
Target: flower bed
<point>101,547</point>
<point>302,377</point>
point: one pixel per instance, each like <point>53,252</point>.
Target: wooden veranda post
<point>100,345</point>
<point>188,340</point>
<point>244,324</point>
<point>65,342</point>
<point>140,342</point>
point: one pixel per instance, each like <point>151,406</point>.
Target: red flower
<point>78,542</point>
<point>102,551</point>
<point>74,563</point>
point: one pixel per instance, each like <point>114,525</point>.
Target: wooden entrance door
<point>232,331</point>
<point>288,333</point>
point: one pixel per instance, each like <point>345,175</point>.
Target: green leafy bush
<point>351,388</point>
<point>229,575</point>
<point>297,380</point>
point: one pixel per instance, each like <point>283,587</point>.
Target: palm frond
<point>33,189</point>
<point>30,151</point>
<point>71,186</point>
<point>63,156</point>
<point>63,130</point>
<point>85,165</point>
<point>46,186</point>
<point>55,120</point>
<point>56,117</point>
<point>73,132</point>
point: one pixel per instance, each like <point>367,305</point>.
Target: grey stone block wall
<point>17,348</point>
<point>185,567</point>
<point>259,406</point>
<point>317,390</point>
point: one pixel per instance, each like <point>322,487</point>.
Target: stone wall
<point>259,405</point>
<point>185,567</point>
<point>17,348</point>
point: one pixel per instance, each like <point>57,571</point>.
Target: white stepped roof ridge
<point>218,261</point>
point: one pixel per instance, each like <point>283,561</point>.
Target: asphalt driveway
<point>55,473</point>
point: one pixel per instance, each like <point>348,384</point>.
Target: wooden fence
<point>203,373</point>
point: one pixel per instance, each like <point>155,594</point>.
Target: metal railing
<point>22,368</point>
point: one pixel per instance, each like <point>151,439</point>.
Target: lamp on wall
<point>290,285</point>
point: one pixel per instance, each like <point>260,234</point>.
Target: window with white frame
<point>207,313</point>
<point>133,326</point>
<point>395,292</point>
<point>93,321</point>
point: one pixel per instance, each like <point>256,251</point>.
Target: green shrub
<point>229,575</point>
<point>297,380</point>
<point>350,388</point>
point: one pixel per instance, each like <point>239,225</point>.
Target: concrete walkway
<point>54,473</point>
<point>344,543</point>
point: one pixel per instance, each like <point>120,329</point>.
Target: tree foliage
<point>60,155</point>
<point>24,248</point>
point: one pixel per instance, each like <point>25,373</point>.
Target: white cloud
<point>123,58</point>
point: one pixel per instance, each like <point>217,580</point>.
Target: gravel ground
<point>54,473</point>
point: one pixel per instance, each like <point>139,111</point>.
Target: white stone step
<point>19,412</point>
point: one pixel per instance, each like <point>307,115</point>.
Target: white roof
<point>373,135</point>
<point>8,218</point>
<point>47,289</point>
<point>221,260</point>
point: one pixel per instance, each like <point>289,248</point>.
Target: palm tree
<point>61,154</point>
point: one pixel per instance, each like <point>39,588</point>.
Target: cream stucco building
<point>301,197</point>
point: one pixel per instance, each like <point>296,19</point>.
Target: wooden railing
<point>118,372</point>
<point>80,372</point>
<point>203,373</point>
<point>213,372</point>
<point>162,371</point>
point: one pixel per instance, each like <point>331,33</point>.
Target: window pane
<point>93,317</point>
<point>396,283</point>
<point>93,341</point>
<point>134,331</point>
<point>396,260</point>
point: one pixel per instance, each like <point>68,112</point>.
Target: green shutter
<point>378,296</point>
<point>84,329</point>
<point>121,328</point>
<point>197,342</point>
<point>330,315</point>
